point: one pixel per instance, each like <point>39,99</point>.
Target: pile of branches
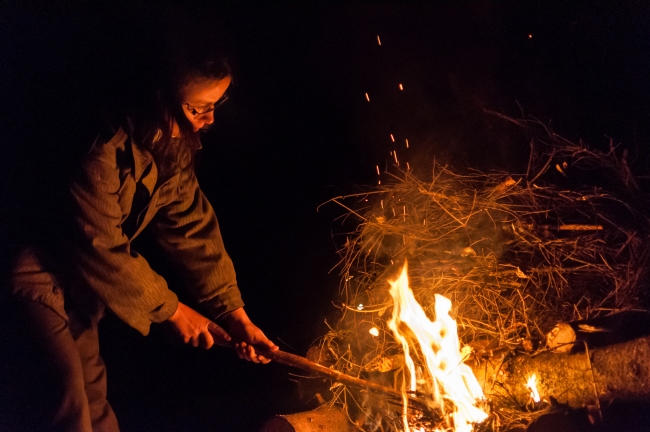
<point>567,240</point>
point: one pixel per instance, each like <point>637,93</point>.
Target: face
<point>200,97</point>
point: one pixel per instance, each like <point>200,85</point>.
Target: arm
<point>101,253</point>
<point>187,229</point>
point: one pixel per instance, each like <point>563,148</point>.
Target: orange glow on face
<point>202,94</point>
<point>436,345</point>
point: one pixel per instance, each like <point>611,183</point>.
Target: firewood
<point>587,378</point>
<point>326,418</point>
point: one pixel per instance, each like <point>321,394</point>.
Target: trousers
<point>52,377</point>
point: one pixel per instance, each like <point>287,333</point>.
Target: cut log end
<point>327,418</point>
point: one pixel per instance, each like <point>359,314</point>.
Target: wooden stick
<point>310,366</point>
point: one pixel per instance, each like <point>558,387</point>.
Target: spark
<point>408,167</point>
<point>367,97</point>
<point>382,203</point>
<point>378,40</point>
<point>407,143</point>
<point>401,87</point>
<point>374,331</point>
<point>392,138</point>
<point>378,173</point>
<point>530,36</point>
<point>395,156</point>
<point>360,307</point>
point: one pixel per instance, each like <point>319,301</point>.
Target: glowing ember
<point>532,386</point>
<point>401,87</point>
<point>374,331</point>
<point>446,376</point>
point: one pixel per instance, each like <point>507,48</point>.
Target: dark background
<point>299,131</point>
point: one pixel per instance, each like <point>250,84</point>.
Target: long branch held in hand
<point>310,366</point>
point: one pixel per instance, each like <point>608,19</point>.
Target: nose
<point>208,118</point>
<point>203,120</point>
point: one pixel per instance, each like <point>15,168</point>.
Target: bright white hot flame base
<point>446,376</point>
<point>532,386</point>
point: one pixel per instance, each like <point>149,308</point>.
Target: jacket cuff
<point>142,321</point>
<point>165,310</point>
<point>223,303</point>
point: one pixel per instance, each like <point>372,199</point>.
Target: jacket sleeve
<point>102,255</point>
<point>188,231</point>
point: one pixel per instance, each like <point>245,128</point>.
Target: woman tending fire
<point>139,174</point>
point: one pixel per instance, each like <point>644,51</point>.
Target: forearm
<point>235,317</point>
<point>188,231</point>
<point>100,254</point>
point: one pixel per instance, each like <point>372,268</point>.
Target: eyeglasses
<point>198,112</point>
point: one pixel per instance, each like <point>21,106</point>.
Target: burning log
<point>327,418</point>
<point>618,372</point>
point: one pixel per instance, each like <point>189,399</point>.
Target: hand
<point>196,329</point>
<point>246,335</point>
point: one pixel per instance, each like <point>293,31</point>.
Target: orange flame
<point>446,375</point>
<point>532,386</point>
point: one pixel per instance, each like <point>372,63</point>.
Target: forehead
<point>205,91</point>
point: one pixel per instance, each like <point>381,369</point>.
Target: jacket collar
<point>141,160</point>
<point>143,165</point>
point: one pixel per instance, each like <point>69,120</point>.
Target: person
<point>138,174</point>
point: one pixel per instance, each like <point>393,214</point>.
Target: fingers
<point>221,337</point>
<point>199,337</point>
<point>263,340</point>
<point>206,340</point>
<point>247,352</point>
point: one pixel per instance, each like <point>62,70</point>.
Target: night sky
<point>298,131</point>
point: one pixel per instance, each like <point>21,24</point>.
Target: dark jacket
<point>101,269</point>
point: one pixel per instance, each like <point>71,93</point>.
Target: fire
<point>446,376</point>
<point>532,386</point>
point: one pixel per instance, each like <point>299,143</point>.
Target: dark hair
<point>150,117</point>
